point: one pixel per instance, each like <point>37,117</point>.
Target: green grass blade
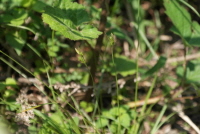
<point>160,64</point>
<point>167,118</point>
<point>17,63</point>
<point>148,96</point>
<point>34,50</point>
<point>22,27</point>
<point>14,68</point>
<point>155,128</point>
<point>146,40</point>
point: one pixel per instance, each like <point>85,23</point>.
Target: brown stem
<point>95,52</point>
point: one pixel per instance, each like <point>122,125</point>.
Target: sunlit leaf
<point>123,66</point>
<point>187,29</point>
<point>179,16</point>
<point>192,74</point>
<point>102,122</point>
<point>70,19</point>
<point>11,82</point>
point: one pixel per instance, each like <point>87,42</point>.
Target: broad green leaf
<point>88,107</point>
<point>179,16</point>
<point>3,125</point>
<point>11,82</point>
<point>125,120</point>
<point>102,122</point>
<point>113,128</point>
<point>123,66</point>
<point>195,37</point>
<point>71,20</point>
<point>58,118</point>
<point>193,71</point>
<point>133,114</point>
<point>76,120</point>
<point>83,104</point>
<point>116,111</point>
<point>107,114</point>
<point>187,29</point>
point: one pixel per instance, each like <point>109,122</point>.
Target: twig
<point>140,103</point>
<point>182,58</point>
<point>179,110</point>
<point>155,100</point>
<point>95,52</point>
<point>172,60</point>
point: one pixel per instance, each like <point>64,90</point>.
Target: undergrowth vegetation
<point>99,67</point>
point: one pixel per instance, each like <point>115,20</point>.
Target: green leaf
<point>27,3</point>
<point>54,126</point>
<point>22,27</point>
<point>16,40</point>
<point>116,111</point>
<point>9,4</point>
<point>187,29</point>
<point>108,115</point>
<point>2,86</point>
<point>70,19</point>
<point>39,6</point>
<point>125,120</point>
<point>89,109</point>
<point>11,105</point>
<point>83,104</point>
<point>86,106</point>
<point>123,66</point>
<point>133,114</point>
<point>102,122</point>
<point>179,16</point>
<point>75,120</point>
<point>195,37</point>
<point>113,128</point>
<point>192,8</point>
<point>11,82</point>
<point>160,63</point>
<point>9,93</point>
<point>57,117</point>
<point>193,71</point>
<point>15,17</point>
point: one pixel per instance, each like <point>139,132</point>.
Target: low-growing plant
<point>33,48</point>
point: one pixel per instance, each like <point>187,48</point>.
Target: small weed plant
<point>74,67</point>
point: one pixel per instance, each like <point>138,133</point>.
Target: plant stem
<point>184,67</point>
<point>95,54</point>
